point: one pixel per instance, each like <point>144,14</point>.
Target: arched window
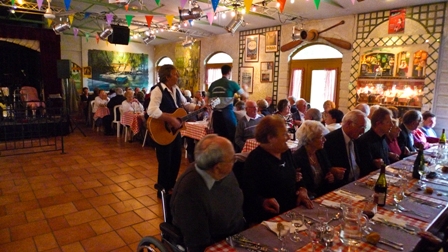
<point>213,66</point>
<point>162,61</point>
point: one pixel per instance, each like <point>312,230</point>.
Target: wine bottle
<point>381,187</point>
<point>418,162</point>
<point>442,141</point>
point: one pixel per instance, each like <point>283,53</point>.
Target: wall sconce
<point>147,39</point>
<point>235,23</point>
<point>188,42</point>
<point>105,33</point>
<point>191,13</point>
<point>58,28</point>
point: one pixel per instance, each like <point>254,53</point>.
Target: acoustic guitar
<point>162,132</point>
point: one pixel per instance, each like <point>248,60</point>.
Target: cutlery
<point>246,243</point>
<point>393,242</point>
<point>350,194</point>
<point>424,202</point>
<point>412,211</point>
<point>385,242</point>
<point>391,224</point>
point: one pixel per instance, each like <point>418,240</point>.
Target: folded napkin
<point>383,218</point>
<point>272,225</point>
<point>390,179</point>
<point>352,196</point>
<point>331,204</point>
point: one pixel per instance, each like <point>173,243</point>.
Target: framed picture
<point>266,71</point>
<point>247,78</point>
<point>87,72</point>
<point>271,41</point>
<point>252,44</point>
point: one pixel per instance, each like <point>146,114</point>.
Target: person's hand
<point>302,198</point>
<point>406,151</point>
<point>329,177</point>
<point>297,122</point>
<point>298,174</point>
<point>378,162</point>
<point>394,157</point>
<point>271,205</point>
<point>174,122</point>
<point>338,172</point>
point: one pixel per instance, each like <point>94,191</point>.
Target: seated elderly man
<point>245,128</point>
<point>263,107</point>
<point>372,146</point>
<point>410,122</point>
<point>313,114</point>
<point>207,202</point>
<point>426,135</point>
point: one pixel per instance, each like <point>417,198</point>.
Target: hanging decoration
<point>126,7</point>
<point>49,21</point>
<point>97,37</point>
<point>149,20</point>
<point>282,5</point>
<point>87,37</point>
<point>39,3</point>
<point>13,2</point>
<point>353,2</point>
<point>215,4</point>
<point>158,2</point>
<point>129,19</point>
<point>248,4</point>
<point>169,19</point>
<point>182,3</point>
<point>109,17</point>
<point>210,17</point>
<point>67,4</point>
<point>317,2</point>
<point>75,31</point>
<point>87,14</point>
<point>70,18</point>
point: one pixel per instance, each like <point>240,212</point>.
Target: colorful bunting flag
<point>49,21</point>
<point>87,37</point>
<point>169,19</point>
<point>70,18</point>
<point>109,17</point>
<point>129,19</point>
<point>158,2</point>
<point>317,2</point>
<point>75,31</point>
<point>67,4</point>
<point>353,2</point>
<point>215,4</point>
<point>149,20</point>
<point>39,3</point>
<point>97,37</point>
<point>87,14</point>
<point>210,17</point>
<point>282,5</point>
<point>247,4</point>
<point>182,3</point>
<point>13,2</point>
<point>126,7</point>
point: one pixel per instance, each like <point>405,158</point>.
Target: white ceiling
<point>264,16</point>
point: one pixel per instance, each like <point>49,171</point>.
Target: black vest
<point>167,105</point>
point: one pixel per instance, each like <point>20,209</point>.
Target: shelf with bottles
<point>390,91</point>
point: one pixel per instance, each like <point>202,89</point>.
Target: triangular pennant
<point>49,21</point>
<point>215,4</point>
<point>109,17</point>
<point>87,37</point>
<point>182,3</point>
<point>70,18</point>
<point>126,7</point>
<point>169,19</point>
<point>317,2</point>
<point>87,14</point>
<point>67,4</point>
<point>282,5</point>
<point>158,2</point>
<point>39,3</point>
<point>75,31</point>
<point>248,4</point>
<point>13,2</point>
<point>97,37</point>
<point>210,17</point>
<point>129,19</point>
<point>353,2</point>
<point>149,20</point>
<point>190,21</point>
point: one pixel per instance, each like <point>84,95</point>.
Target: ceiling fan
<point>313,35</point>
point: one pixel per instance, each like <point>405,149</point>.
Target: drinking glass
<point>297,222</point>
<point>314,231</point>
<point>281,236</point>
<point>327,238</point>
<point>422,171</point>
<point>398,197</point>
<point>322,213</point>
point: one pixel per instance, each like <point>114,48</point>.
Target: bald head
<point>215,155</point>
<point>251,108</point>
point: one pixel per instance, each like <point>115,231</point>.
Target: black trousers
<point>224,123</point>
<point>169,158</point>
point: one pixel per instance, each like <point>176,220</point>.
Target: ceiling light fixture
<point>48,12</point>
<point>190,13</point>
<point>105,33</point>
<point>148,38</point>
<point>235,23</point>
<point>59,28</point>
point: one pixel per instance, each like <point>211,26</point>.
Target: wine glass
<point>314,231</point>
<point>422,171</point>
<point>327,237</point>
<point>398,197</point>
<point>282,233</point>
<point>322,213</point>
<point>296,223</point>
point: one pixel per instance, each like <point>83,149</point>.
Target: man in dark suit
<point>340,142</point>
<point>411,121</point>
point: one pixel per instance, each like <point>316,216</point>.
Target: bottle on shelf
<point>381,187</point>
<point>420,160</point>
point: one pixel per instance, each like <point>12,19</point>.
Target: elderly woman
<point>313,160</point>
<point>131,104</point>
<point>271,181</point>
<point>392,142</point>
<point>284,110</point>
<point>328,105</point>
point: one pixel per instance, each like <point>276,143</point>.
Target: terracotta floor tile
<point>103,200</point>
<point>5,236</point>
<point>22,245</point>
<point>146,229</point>
<point>122,178</point>
<point>8,199</point>
<point>59,210</point>
<point>58,223</point>
<point>100,226</point>
<point>26,196</point>
<point>89,193</point>
<point>123,195</point>
<point>129,235</point>
<point>80,217</point>
<point>82,204</point>
<point>45,242</point>
<point>106,181</point>
<point>140,191</point>
<point>125,249</point>
<point>126,185</point>
<point>115,188</point>
<point>123,220</point>
<point>102,190</point>
<point>140,182</point>
<point>145,213</point>
<point>46,192</point>
<point>23,206</point>
<point>88,184</point>
<point>34,215</point>
<point>74,234</point>
<point>29,230</point>
<point>104,242</point>
<point>73,247</point>
<point>12,220</point>
<point>126,205</point>
<point>69,188</point>
<point>125,171</point>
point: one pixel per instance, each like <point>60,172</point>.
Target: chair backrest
<point>117,110</point>
<point>28,93</point>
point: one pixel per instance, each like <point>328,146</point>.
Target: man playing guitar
<point>165,99</point>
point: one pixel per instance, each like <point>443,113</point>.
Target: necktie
<point>354,172</point>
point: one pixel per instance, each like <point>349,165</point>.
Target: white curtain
<point>212,75</point>
<point>329,88</point>
<point>296,83</point>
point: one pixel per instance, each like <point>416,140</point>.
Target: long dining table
<point>424,212</point>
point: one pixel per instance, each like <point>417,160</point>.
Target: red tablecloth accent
<point>132,120</point>
<point>196,130</point>
<point>101,112</point>
<point>251,144</point>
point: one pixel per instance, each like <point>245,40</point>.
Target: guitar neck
<point>192,114</point>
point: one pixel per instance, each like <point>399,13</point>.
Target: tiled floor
<point>98,196</point>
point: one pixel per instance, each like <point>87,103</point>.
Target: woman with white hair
<point>312,158</point>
